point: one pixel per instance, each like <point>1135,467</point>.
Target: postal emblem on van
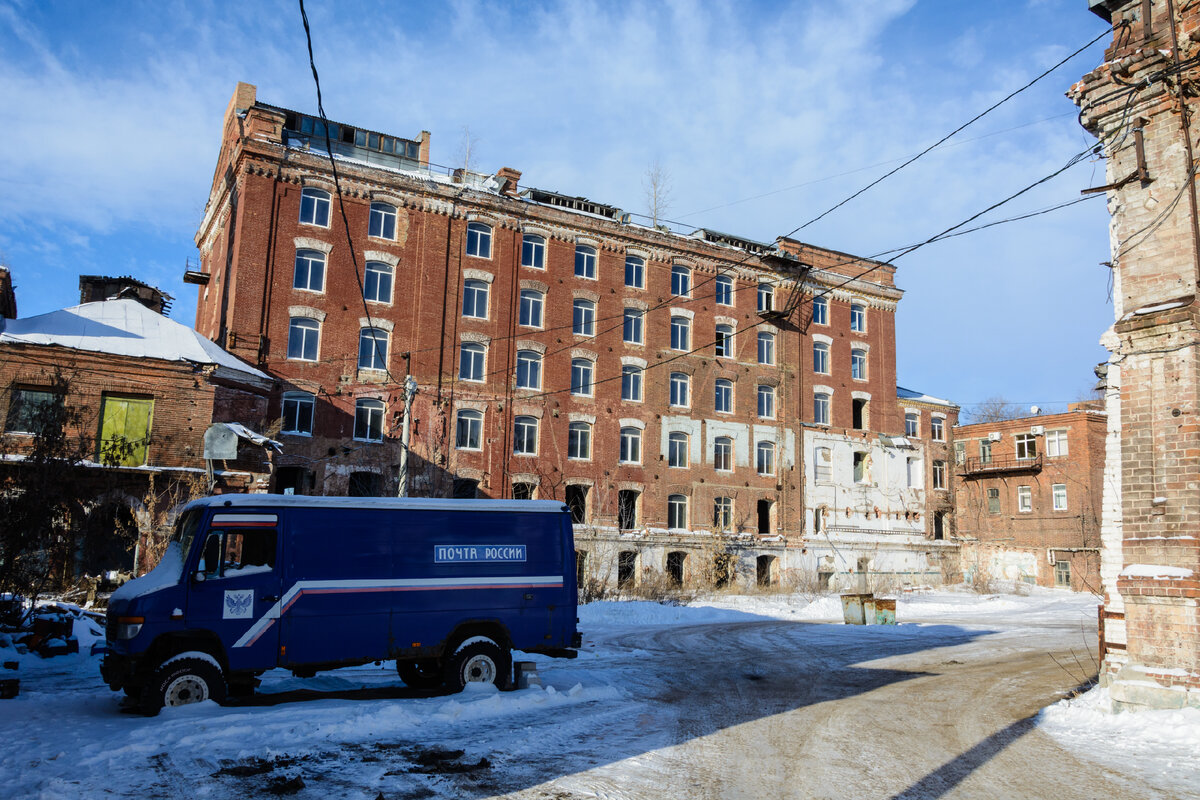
<point>239,604</point>
<point>477,553</point>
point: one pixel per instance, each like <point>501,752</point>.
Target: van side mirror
<point>198,576</point>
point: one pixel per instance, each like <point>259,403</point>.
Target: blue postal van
<point>447,588</point>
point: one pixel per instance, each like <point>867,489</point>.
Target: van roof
<point>428,503</point>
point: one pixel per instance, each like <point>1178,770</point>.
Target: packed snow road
<point>751,699</point>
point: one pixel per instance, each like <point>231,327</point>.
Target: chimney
<point>508,178</point>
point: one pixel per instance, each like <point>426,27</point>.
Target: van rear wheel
<point>478,660</point>
<point>424,673</point>
<point>185,679</point>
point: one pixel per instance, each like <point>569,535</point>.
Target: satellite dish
<point>1035,410</point>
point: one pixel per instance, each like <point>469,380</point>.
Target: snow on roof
<point>909,394</point>
<point>124,328</point>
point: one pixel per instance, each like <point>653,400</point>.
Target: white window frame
<point>765,393</point>
<point>821,407</point>
<point>723,396</point>
<point>479,240</point>
<point>532,361</point>
<point>723,454</point>
<point>631,446</point>
<point>723,291</point>
<point>315,204</point>
<point>635,268</point>
<point>532,304</point>
<point>681,281</point>
<point>677,512</point>
<point>586,259</point>
<point>820,314</point>
<point>382,217</point>
<point>473,429</point>
<point>579,441</point>
<point>1056,443</point>
<point>678,455</point>
<point>723,513</point>
<point>378,356</point>
<point>724,340</point>
<point>858,318</point>
<point>376,269</point>
<point>858,364</point>
<point>631,383</point>
<point>522,425</point>
<point>372,408</point>
<point>473,290</point>
<point>299,399</point>
<point>1059,493</point>
<point>1024,499</point>
<point>633,322</point>
<point>913,429</point>
<point>821,358</point>
<point>583,377</point>
<point>764,457</point>
<point>311,258</point>
<point>680,385</point>
<point>1025,446</point>
<point>472,369</point>
<point>765,297</point>
<point>766,348</point>
<point>311,330</point>
<point>681,333</point>
<point>937,428</point>
<point>583,317</point>
<point>534,246</point>
<point>939,474</point>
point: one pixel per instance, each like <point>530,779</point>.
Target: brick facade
<point>253,300</point>
<point>1139,103</point>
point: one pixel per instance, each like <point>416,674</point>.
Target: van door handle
<point>269,598</point>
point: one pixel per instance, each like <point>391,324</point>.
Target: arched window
<point>581,377</point>
<point>529,369</point>
<point>724,342</point>
<point>680,389</point>
<point>314,207</point>
<point>858,317</point>
<point>585,261</point>
<point>631,331</point>
<point>382,223</point>
<point>820,311</point>
<point>472,357</point>
<point>631,446</point>
<point>635,272</point>
<point>821,358</point>
<point>475,299</point>
<point>766,297</point>
<point>681,281</point>
<point>525,435</point>
<point>681,333</point>
<point>303,337</point>
<point>533,251</point>
<point>298,413</point>
<point>766,347</point>
<point>583,317</point>
<point>368,420</point>
<point>821,408</point>
<point>766,401</point>
<point>723,513</point>
<point>479,240</point>
<point>579,441</point>
<point>764,458</point>
<point>858,364</point>
<point>631,383</point>
<point>677,511</point>
<point>531,308</point>
<point>469,430</point>
<point>677,449</point>
<point>377,285</point>
<point>724,290</point>
<point>723,454</point>
<point>310,271</point>
<point>372,348</point>
<point>723,396</point>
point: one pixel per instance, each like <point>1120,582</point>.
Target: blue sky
<point>113,115</point>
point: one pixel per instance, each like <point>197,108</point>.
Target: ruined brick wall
<point>1141,103</point>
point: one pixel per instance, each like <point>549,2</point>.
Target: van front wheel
<point>478,660</point>
<point>185,679</point>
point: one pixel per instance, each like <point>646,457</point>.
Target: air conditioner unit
<point>1037,430</point>
<point>994,436</point>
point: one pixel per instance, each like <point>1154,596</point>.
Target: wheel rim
<point>184,690</point>
<point>479,669</point>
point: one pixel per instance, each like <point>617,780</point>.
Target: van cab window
<point>240,552</point>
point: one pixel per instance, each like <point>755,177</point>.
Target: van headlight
<point>129,627</point>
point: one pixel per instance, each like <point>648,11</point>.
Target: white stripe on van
<point>406,585</point>
<point>219,519</point>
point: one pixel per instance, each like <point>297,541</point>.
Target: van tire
<point>182,681</point>
<point>424,673</point>
<point>478,660</point>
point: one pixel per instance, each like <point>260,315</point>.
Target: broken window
<point>675,564</point>
<point>993,501</point>
<point>577,503</point>
<point>626,568</point>
<point>765,569</point>
<point>764,516</point>
<point>627,509</point>
<point>465,488</point>
<point>859,413</point>
<point>365,484</point>
<point>860,467</point>
<point>523,491</point>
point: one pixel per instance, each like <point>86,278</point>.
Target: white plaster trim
<point>584,294</point>
<point>589,355</point>
<point>470,405</point>
<point>318,182</point>
<point>539,286</point>
<point>861,395</point>
<point>637,251</point>
<point>683,312</point>
<point>536,230</point>
<point>860,346</point>
<point>822,338</point>
<point>378,255</point>
<point>474,336</point>
<point>526,344</point>
<point>590,241</point>
<point>578,482</point>
<point>579,416</point>
<point>478,275</point>
<point>376,322</point>
<point>633,361</point>
<point>938,414</point>
<point>632,422</point>
<point>309,243</point>
<point>640,305</point>
<point>307,312</point>
<point>726,321</point>
<point>528,411</point>
<point>823,389</point>
<point>526,477</point>
<point>385,197</point>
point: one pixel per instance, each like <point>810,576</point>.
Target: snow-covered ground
<point>66,737</point>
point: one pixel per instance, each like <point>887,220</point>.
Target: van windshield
<point>185,530</point>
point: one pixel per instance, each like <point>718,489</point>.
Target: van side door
<point>235,585</point>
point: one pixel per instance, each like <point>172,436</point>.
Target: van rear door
<point>238,595</point>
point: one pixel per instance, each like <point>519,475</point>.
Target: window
<point>469,430</point>
<point>314,207</point>
<point>533,251</point>
<point>627,501</point>
<point>576,499</point>
<point>723,513</point>
<point>724,290</point>
<point>377,286</point>
<point>635,272</point>
<point>677,449</point>
<point>766,401</point>
<point>985,451</point>
<point>523,491</point>
<point>365,484</point>
<point>960,452</point>
<point>631,383</point>
<point>310,271</point>
<point>372,349</point>
<point>298,413</point>
<point>824,462</point>
<point>1062,574</point>
<point>821,358</point>
<point>724,341</point>
<point>382,223</point>
<point>368,420</point>
<point>858,365</point>
<point>471,358</point>
<point>228,554</point>
<point>820,307</point>
<point>764,458</point>
<point>677,511</point>
<point>859,408</point>
<point>911,418</point>
<point>479,240</point>
<point>631,446</point>
<point>766,297</point>
<point>33,410</point>
<point>858,317</point>
<point>1056,443</point>
<point>937,429</point>
<point>583,318</point>
<point>723,396</point>
<point>723,454</point>
<point>475,299</point>
<point>531,308</point>
<point>821,408</point>
<point>939,474</point>
<point>632,326</point>
<point>124,430</point>
<point>303,336</point>
<point>681,338</point>
<point>681,281</point>
<point>680,389</point>
<point>860,468</point>
<point>529,369</point>
<point>581,377</point>
<point>1026,446</point>
<point>993,497</point>
<point>766,347</point>
<point>579,441</point>
<point>1060,496</point>
<point>585,262</point>
<point>1024,499</point>
<point>525,431</point>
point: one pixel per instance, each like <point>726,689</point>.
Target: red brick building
<point>146,389</point>
<point>1141,104</point>
<point>1028,497</point>
<point>657,382</point>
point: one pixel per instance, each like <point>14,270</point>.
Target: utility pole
<point>410,391</point>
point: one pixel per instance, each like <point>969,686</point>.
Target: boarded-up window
<point>124,430</point>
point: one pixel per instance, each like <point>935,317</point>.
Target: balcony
<point>977,466</point>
